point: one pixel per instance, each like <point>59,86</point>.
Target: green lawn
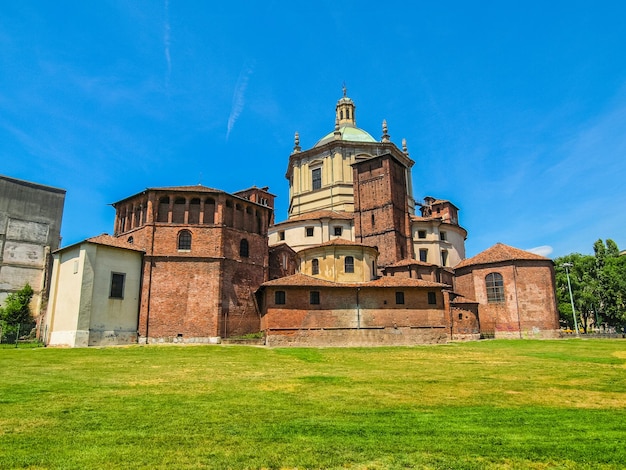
<point>491,404</point>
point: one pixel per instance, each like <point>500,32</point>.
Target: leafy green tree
<point>612,286</point>
<point>598,287</point>
<point>16,310</point>
<point>584,289</point>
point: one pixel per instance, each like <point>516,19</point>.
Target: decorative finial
<point>296,143</point>
<point>404,147</point>
<point>385,137</point>
<point>345,90</point>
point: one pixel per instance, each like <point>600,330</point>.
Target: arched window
<point>194,211</point>
<point>244,249</point>
<point>315,266</point>
<point>131,240</point>
<point>178,211</point>
<point>349,264</point>
<point>164,208</point>
<point>184,240</point>
<point>495,288</point>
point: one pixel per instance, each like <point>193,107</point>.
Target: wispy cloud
<point>166,43</point>
<point>239,98</point>
<point>544,250</point>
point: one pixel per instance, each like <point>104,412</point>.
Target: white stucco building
<point>94,298</point>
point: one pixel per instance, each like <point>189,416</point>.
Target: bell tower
<point>344,111</point>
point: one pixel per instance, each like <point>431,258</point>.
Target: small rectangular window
<point>442,236</point>
<point>279,297</point>
<point>315,266</point>
<point>316,175</point>
<point>315,297</point>
<point>424,255</point>
<point>349,264</point>
<point>432,298</point>
<point>117,286</point>
<point>338,231</point>
<point>399,298</point>
<point>421,234</point>
<point>281,235</point>
<point>444,258</point>
<point>460,316</point>
<point>309,231</point>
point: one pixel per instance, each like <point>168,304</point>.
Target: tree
<point>612,287</point>
<point>584,289</point>
<point>598,286</point>
<point>17,309</point>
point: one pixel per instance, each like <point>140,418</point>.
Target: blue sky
<point>514,111</point>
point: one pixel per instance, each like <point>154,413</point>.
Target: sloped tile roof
<point>393,281</point>
<point>197,188</point>
<point>459,299</point>
<point>316,215</point>
<point>303,280</point>
<point>343,242</point>
<point>300,280</point>
<point>108,240</point>
<point>410,262</point>
<point>499,253</point>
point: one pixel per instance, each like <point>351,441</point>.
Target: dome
<point>348,133</point>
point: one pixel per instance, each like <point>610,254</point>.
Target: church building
<point>353,263</point>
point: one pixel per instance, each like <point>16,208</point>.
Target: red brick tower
<point>381,206</point>
<point>206,254</point>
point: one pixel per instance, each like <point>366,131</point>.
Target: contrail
<point>239,96</point>
<point>166,42</point>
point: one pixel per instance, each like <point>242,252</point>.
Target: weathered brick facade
<point>206,254</point>
<point>381,207</point>
<point>522,304</point>
<point>386,311</point>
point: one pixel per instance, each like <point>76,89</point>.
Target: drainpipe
<point>519,320</point>
<point>358,309</point>
<point>150,282</point>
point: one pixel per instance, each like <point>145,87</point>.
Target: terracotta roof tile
<point>343,242</point>
<point>459,299</point>
<point>393,281</point>
<point>108,240</point>
<point>297,280</point>
<point>198,188</point>
<point>303,280</point>
<point>498,253</point>
<point>336,215</point>
<point>409,262</point>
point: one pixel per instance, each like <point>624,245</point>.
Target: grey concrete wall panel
<point>24,254</point>
<point>27,231</point>
<point>13,278</point>
<point>30,221</point>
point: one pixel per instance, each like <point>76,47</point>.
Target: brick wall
<point>529,308</point>
<point>351,308</point>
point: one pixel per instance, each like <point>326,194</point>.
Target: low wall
<point>180,340</point>
<point>112,337</point>
<point>402,336</point>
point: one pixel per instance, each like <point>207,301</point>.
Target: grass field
<point>491,404</point>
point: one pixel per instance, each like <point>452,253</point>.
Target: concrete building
<point>30,228</point>
<point>94,300</point>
